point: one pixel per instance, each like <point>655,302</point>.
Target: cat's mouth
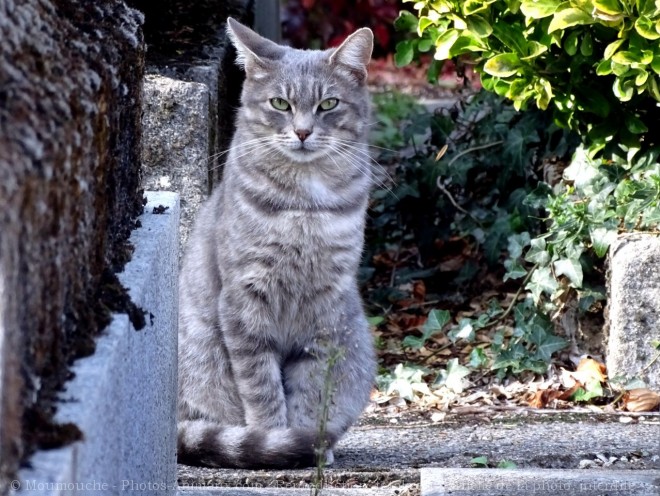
<point>304,153</point>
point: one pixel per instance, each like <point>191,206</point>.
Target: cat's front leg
<point>255,364</point>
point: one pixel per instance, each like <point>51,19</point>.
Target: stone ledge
<point>123,397</point>
<point>517,482</point>
<point>326,491</point>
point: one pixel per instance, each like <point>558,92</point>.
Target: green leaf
<point>601,239</point>
<point>503,65</point>
<point>517,242</point>
<point>480,460</point>
<point>593,389</point>
<point>611,7</point>
<point>436,320</point>
<point>543,93</point>
<point>571,269</point>
<point>604,68</point>
<point>626,58</point>
<point>453,376</point>
<point>612,48</point>
<point>464,331</point>
<point>623,90</point>
<point>507,464</point>
<point>470,7</point>
<point>646,28</point>
<point>479,26</point>
<point>375,321</point>
<point>571,43</point>
<point>538,9</point>
<point>444,43</point>
<point>514,270</point>
<point>478,358</point>
<point>542,281</point>
<point>655,64</point>
<point>534,49</point>
<point>511,35</point>
<point>587,46</point>
<point>406,22</point>
<point>566,18</point>
<point>537,253</point>
<point>424,45</point>
<point>550,345</point>
<point>404,53</point>
<point>635,125</point>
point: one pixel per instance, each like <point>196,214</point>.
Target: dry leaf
<point>419,291</point>
<point>588,370</point>
<point>641,400</point>
<point>592,369</point>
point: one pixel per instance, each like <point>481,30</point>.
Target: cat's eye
<point>328,104</point>
<point>280,104</point>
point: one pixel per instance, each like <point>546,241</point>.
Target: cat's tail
<point>201,442</point>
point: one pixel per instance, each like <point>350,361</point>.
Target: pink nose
<point>303,133</point>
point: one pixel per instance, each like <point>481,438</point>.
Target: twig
<point>396,261</point>
<point>453,202</point>
<point>648,365</point>
<point>473,149</point>
<point>417,305</point>
<point>514,300</point>
<point>437,352</point>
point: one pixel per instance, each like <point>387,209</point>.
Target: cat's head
<point>304,104</point>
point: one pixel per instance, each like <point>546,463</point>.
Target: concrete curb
<point>538,482</point>
<point>326,491</point>
<point>123,397</point>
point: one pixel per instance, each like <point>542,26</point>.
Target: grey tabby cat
<point>268,289</point>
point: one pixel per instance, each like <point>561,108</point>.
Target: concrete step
<point>330,491</point>
<point>501,482</point>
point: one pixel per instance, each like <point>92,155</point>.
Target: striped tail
<point>201,442</point>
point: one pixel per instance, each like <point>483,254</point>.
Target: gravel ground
<point>390,456</point>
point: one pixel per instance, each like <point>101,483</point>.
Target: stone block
<point>176,148</point>
<point>537,482</point>
<point>123,397</point>
<point>634,308</point>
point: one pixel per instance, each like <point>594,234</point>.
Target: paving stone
<point>500,482</point>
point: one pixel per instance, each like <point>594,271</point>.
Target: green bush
<point>595,63</point>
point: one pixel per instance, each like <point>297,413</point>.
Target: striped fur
<point>268,287</point>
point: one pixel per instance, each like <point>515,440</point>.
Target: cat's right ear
<point>254,51</point>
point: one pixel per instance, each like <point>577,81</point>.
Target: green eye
<point>328,104</point>
<point>280,104</point>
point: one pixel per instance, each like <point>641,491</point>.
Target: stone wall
<point>190,95</point>
<point>70,99</point>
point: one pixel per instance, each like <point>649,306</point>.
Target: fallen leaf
<point>592,369</point>
<point>419,291</point>
<point>641,400</point>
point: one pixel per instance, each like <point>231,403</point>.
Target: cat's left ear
<point>355,53</point>
<point>254,51</point>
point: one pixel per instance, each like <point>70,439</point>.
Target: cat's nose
<point>303,134</point>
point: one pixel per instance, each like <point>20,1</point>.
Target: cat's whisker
<point>253,144</point>
<point>363,167</point>
<point>353,142</point>
<point>373,160</point>
<point>378,180</point>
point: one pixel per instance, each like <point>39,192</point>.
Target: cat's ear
<point>355,53</point>
<point>254,51</point>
